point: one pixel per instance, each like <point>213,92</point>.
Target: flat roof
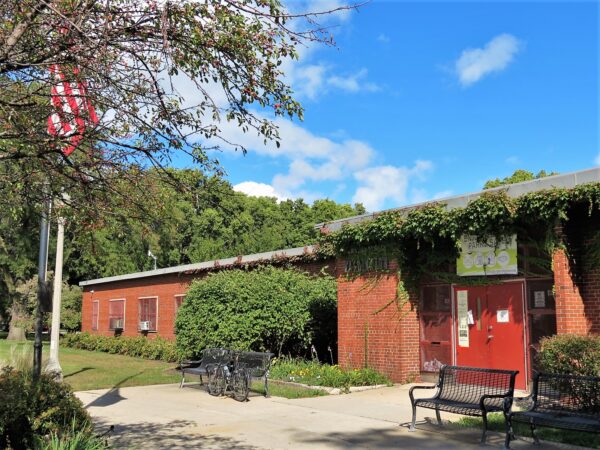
<point>207,265</point>
<point>567,180</point>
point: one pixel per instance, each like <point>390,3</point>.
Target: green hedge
<point>567,353</point>
<point>138,346</point>
<point>33,411</point>
<point>265,309</point>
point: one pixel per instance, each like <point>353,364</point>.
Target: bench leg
<point>201,381</point>
<point>182,381</point>
<point>485,426</point>
<point>267,395</point>
<point>437,416</point>
<point>414,419</point>
<point>536,439</point>
<point>509,433</point>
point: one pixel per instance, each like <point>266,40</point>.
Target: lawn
<point>85,370</point>
<point>496,423</point>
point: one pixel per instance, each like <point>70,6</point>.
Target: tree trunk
<point>18,317</point>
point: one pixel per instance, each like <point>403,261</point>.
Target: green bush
<point>138,346</point>
<point>74,439</point>
<point>31,409</point>
<point>315,374</point>
<point>266,309</point>
<point>567,353</point>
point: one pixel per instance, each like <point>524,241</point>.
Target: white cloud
<point>597,160</point>
<point>476,63</point>
<point>378,184</point>
<point>308,79</point>
<point>341,15</point>
<point>255,189</point>
<point>353,83</point>
<point>383,38</point>
<point>512,160</point>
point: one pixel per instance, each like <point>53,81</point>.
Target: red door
<point>490,328</point>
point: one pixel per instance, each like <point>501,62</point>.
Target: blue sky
<point>424,100</point>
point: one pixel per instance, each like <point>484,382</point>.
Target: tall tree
<point>518,176</point>
<point>134,56</point>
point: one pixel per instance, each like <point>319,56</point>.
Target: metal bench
<point>470,391</point>
<point>257,366</point>
<point>211,358</point>
<point>569,402</point>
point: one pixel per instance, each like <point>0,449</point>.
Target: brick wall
<point>388,340</point>
<point>576,281</point>
<point>165,287</point>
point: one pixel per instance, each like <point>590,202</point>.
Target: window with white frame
<point>116,314</point>
<point>148,307</point>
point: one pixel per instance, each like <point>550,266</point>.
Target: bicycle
<point>229,378</point>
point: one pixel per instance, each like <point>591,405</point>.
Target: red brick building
<point>498,324</point>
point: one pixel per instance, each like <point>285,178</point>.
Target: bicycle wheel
<point>240,385</point>
<point>216,381</point>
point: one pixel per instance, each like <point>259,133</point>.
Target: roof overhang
<point>567,180</point>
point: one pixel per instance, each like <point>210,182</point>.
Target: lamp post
<point>53,366</point>
<point>151,255</point>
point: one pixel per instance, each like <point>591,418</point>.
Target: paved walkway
<point>166,417</point>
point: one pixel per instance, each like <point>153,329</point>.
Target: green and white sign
<point>487,257</point>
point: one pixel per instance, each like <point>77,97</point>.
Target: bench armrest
<point>508,398</point>
<point>410,392</point>
<point>189,362</point>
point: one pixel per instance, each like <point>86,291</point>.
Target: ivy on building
<point>425,240</point>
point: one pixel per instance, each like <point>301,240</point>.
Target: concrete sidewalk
<point>166,417</point>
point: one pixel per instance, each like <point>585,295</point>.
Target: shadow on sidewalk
<point>177,434</point>
<point>112,396</point>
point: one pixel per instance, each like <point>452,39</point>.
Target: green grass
<point>286,390</point>
<point>496,423</point>
<point>85,370</point>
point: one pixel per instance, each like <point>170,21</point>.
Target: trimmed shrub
<point>568,353</point>
<point>266,309</point>
<point>31,409</point>
<point>139,346</point>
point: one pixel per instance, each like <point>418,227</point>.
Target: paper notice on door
<point>463,318</point>
<point>539,299</point>
<point>502,316</point>
<point>470,320</point>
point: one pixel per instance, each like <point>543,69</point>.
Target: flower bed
<point>313,373</point>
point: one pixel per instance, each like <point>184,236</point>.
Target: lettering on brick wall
<point>362,264</point>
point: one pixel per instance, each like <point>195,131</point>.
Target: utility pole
<point>42,293</point>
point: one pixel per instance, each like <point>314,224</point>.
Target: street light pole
<point>42,291</point>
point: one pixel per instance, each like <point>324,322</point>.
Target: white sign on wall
<point>462,303</point>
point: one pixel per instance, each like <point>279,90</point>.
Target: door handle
<point>490,336</point>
